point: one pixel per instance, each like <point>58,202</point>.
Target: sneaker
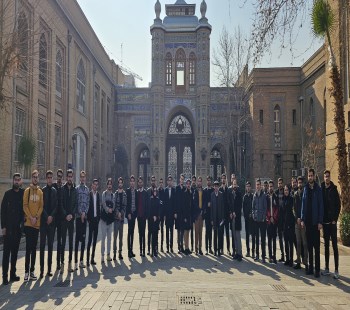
<point>62,268</point>
<point>26,277</point>
<point>336,275</point>
<point>81,264</point>
<point>325,272</point>
<point>32,276</point>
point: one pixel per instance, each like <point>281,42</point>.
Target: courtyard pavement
<point>174,281</point>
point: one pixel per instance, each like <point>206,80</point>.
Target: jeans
<point>118,230</point>
<point>236,235</point>
<point>218,239</point>
<point>58,228</point>
<point>330,232</point>
<point>208,234</point>
<point>11,245</point>
<point>46,234</point>
<point>32,235</point>
<point>300,234</point>
<point>141,223</point>
<point>271,239</point>
<point>313,244</point>
<point>131,229</point>
<point>260,228</point>
<point>169,234</point>
<point>289,237</point>
<point>67,226</point>
<point>80,236</point>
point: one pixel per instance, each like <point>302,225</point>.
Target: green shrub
<point>345,228</point>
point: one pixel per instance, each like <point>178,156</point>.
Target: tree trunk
<point>336,92</point>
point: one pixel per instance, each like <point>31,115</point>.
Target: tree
<point>26,151</point>
<point>230,61</point>
<point>323,20</point>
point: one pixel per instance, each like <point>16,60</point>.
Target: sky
<point>123,27</point>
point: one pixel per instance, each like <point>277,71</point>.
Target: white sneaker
<point>325,272</point>
<point>336,275</point>
<point>81,264</point>
<point>32,276</point>
<point>62,268</point>
<point>26,277</point>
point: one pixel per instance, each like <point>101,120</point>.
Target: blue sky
<point>127,23</point>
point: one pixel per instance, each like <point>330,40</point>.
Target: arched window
<point>43,61</point>
<point>180,68</point>
<point>216,164</point>
<point>144,162</point>
<point>168,69</point>
<point>192,69</point>
<point>23,41</point>
<point>277,120</point>
<point>59,75</point>
<point>81,82</point>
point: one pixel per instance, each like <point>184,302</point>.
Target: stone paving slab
<point>174,281</point>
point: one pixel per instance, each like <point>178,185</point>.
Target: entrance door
<point>180,148</point>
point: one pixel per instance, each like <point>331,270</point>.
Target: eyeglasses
<point>35,176</point>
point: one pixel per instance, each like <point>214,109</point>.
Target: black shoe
<point>87,263</point>
<point>93,262</point>
<point>41,274</point>
<point>211,251</point>
<point>149,253</point>
<point>200,252</point>
<point>171,250</point>
<point>291,264</point>
<point>114,257</point>
<point>247,254</point>
<point>235,256</point>
<point>309,272</point>
<point>281,259</point>
<point>5,281</point>
<point>162,250</point>
<point>120,256</point>
<point>264,260</point>
<point>133,254</point>
<point>286,263</point>
<point>317,274</point>
<point>58,267</point>
<point>14,278</point>
<point>297,266</point>
<point>49,274</point>
<point>256,258</point>
<point>275,261</point>
<point>129,254</point>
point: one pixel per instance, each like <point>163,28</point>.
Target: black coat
<point>69,201</point>
<point>12,211</point>
<point>225,191</point>
<point>179,202</point>
<point>247,205</point>
<point>331,203</point>
<point>50,207</point>
<point>90,214</point>
<point>169,205</point>
<point>128,203</point>
<point>237,207</point>
<point>289,219</point>
<point>217,209</point>
<point>144,202</point>
<point>186,210</point>
<point>206,202</point>
<point>59,212</point>
<point>161,196</point>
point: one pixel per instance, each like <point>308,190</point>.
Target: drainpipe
<point>69,39</point>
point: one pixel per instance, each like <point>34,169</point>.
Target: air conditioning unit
<point>294,173</point>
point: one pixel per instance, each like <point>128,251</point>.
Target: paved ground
<point>173,281</point>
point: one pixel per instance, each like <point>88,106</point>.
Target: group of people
<point>295,213</point>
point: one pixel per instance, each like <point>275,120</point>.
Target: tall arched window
<point>144,162</point>
<point>43,61</point>
<point>59,75</point>
<point>277,120</point>
<point>180,68</point>
<point>23,41</point>
<point>81,82</point>
<point>168,69</point>
<point>192,69</point>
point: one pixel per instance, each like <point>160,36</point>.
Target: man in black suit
<point>169,208</point>
<point>93,217</point>
<point>207,216</point>
<point>161,212</point>
<point>150,225</point>
<point>180,200</point>
<point>224,190</point>
<point>131,211</point>
<point>142,214</point>
<point>218,218</point>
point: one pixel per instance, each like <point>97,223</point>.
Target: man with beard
<point>280,193</point>
<point>224,191</point>
<point>47,223</point>
<point>131,212</point>
<point>150,223</point>
<point>217,218</point>
<point>11,220</point>
<point>207,216</point>
<point>300,232</point>
<point>69,198</point>
<point>120,201</point>
<point>59,218</point>
<point>142,211</point>
<point>83,198</point>
<point>33,204</point>
<point>161,197</point>
<point>236,217</point>
<point>193,188</point>
<point>331,202</point>
<point>312,212</point>
<point>186,213</point>
<point>180,200</point>
<point>198,207</point>
<point>248,221</point>
<point>169,209</point>
<point>153,219</point>
<point>272,222</point>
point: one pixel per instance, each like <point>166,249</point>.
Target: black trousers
<point>260,228</point>
<point>192,237</point>
<point>46,236</point>
<point>313,244</point>
<point>208,234</point>
<point>280,238</point>
<point>32,235</point>
<point>180,239</point>
<point>58,228</point>
<point>227,233</point>
<point>67,227</point>
<point>149,234</point>
<point>271,239</point>
<point>330,232</point>
<point>161,226</point>
<point>11,246</point>
<point>93,233</point>
<point>289,237</point>
<point>131,229</point>
<point>247,233</point>
<point>80,236</point>
<point>141,223</point>
<point>169,233</point>
<point>218,239</point>
<point>154,235</point>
